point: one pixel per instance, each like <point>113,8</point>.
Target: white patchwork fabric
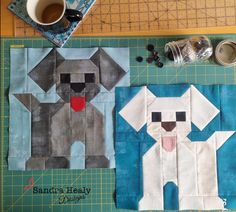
<point>201,117</point>
<point>191,166</point>
<point>129,112</point>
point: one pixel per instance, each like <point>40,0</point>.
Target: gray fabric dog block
<point>64,106</point>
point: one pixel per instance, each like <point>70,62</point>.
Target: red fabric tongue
<point>169,143</point>
<point>77,103</point>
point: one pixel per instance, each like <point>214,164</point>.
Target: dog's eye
<point>156,116</point>
<point>89,78</point>
<point>180,116</point>
<point>65,78</point>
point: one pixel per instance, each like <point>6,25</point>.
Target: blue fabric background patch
<point>168,90</point>
<point>171,200</point>
<point>77,155</point>
<point>20,145</point>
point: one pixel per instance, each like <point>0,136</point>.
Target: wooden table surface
<point>142,17</point>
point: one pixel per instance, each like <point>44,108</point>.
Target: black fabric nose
<point>168,126</point>
<point>77,87</point>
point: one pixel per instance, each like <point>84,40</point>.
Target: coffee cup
<point>52,14</point>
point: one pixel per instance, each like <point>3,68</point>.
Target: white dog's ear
<point>135,111</point>
<point>202,110</point>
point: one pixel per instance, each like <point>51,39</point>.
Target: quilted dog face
<point>80,77</point>
<point>166,118</point>
<point>77,78</point>
<point>169,115</point>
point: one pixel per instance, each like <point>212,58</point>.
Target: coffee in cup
<point>52,14</point>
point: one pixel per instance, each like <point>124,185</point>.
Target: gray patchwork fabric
<point>36,163</point>
<point>70,126</point>
<point>56,162</point>
<point>96,161</point>
<point>111,72</point>
<point>94,132</point>
<point>28,100</point>
<point>43,73</point>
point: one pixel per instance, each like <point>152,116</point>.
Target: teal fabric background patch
<point>163,176</point>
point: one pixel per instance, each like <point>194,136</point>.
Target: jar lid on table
<point>225,53</point>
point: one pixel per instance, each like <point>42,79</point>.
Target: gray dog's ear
<point>202,110</point>
<point>44,73</point>
<point>110,71</point>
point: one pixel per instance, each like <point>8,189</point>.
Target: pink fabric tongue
<point>169,143</point>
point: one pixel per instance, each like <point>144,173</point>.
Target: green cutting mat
<point>101,181</point>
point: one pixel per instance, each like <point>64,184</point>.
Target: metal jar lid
<point>225,53</point>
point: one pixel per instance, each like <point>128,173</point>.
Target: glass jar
<point>189,50</point>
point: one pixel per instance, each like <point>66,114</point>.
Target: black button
<point>180,116</point>
<point>90,78</point>
<point>150,47</point>
<point>156,116</point>
<point>139,59</point>
<point>65,78</point>
<point>150,60</point>
<point>159,64</point>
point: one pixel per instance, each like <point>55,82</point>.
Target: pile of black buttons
<point>153,57</point>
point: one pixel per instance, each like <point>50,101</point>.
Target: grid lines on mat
<point>135,17</point>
